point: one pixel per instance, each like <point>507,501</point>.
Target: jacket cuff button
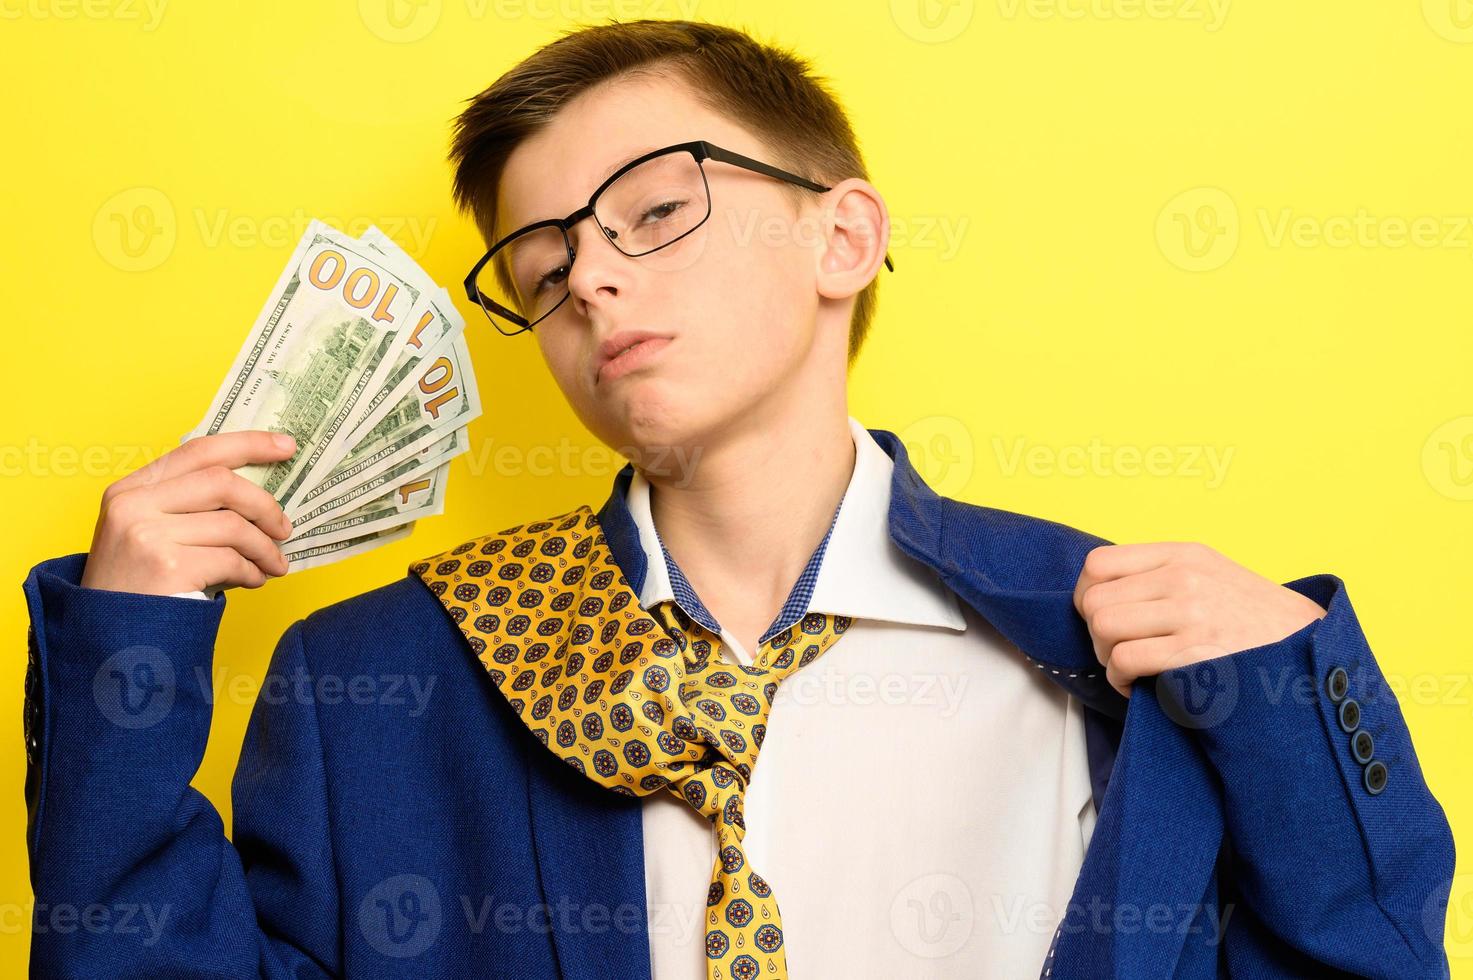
<point>1337,684</point>
<point>1349,714</point>
<point>1362,746</point>
<point>1375,776</point>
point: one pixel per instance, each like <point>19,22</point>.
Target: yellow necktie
<point>635,701</point>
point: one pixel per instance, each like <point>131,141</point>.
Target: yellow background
<point>1167,229</point>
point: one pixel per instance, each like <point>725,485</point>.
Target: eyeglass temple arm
<point>737,159</point>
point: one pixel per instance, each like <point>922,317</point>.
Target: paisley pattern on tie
<point>636,701</point>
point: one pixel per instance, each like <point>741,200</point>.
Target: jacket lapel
<point>1018,573</point>
<point>589,846</point>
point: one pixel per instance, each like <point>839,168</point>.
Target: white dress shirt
<point>921,803</point>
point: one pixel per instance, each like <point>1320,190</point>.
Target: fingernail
<point>285,441</point>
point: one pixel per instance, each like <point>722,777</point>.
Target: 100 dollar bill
<point>362,358</point>
<point>404,471</point>
<point>437,323</point>
<point>443,398</point>
<point>321,554</point>
<point>420,496</point>
<point>328,333</point>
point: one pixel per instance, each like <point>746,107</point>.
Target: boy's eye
<point>545,280</point>
<point>662,211</point>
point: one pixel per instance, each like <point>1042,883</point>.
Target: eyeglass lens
<point>647,208</point>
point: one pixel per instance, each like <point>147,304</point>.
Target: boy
<point>578,797</point>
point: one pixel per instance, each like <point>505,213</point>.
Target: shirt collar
<point>855,571</point>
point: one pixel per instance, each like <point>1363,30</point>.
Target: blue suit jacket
<point>394,817</point>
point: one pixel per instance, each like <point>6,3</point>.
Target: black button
<point>1362,746</point>
<point>1337,682</point>
<point>1375,776</point>
<point>1349,714</point>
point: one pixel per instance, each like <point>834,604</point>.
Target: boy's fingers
<point>216,487</point>
<point>228,449</point>
<point>226,528</point>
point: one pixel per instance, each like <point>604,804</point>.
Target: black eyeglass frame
<point>699,149</point>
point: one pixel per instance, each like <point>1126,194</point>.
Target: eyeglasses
<point>648,204</point>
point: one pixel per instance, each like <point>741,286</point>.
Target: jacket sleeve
<point>1341,850</point>
<point>132,871</point>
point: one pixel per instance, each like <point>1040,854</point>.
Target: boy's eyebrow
<point>631,157</point>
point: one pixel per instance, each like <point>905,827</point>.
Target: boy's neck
<point>757,503</point>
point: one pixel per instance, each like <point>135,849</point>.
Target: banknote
<point>312,555</point>
<point>327,335</point>
<point>423,496</point>
<point>361,357</point>
<point>443,398</point>
<point>405,471</point>
<point>436,326</point>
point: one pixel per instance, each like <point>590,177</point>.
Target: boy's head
<point>765,303</point>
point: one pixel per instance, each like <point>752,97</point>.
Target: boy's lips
<point>627,351</point>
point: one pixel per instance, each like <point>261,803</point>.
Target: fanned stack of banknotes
<point>361,358</point>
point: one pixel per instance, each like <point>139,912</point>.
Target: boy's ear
<point>856,231</point>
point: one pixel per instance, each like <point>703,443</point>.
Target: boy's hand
<point>1153,607</point>
<point>186,521</point>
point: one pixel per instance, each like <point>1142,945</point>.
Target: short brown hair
<point>770,91</point>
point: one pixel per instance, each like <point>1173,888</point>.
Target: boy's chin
<point>656,432</point>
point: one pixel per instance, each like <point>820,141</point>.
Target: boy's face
<point>736,297</point>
